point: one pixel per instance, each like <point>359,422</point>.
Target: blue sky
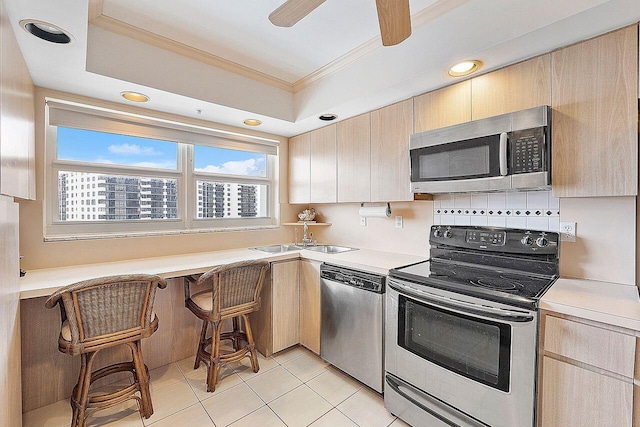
<point>106,148</point>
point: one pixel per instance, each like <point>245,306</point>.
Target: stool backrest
<point>236,287</point>
<point>100,309</point>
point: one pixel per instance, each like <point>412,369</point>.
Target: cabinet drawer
<point>598,347</point>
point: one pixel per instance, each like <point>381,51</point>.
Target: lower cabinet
<point>310,305</point>
<point>575,396</point>
<point>290,310</point>
<point>587,373</point>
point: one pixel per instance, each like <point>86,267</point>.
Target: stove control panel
<point>495,239</point>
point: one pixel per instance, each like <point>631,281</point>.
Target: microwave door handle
<point>504,138</point>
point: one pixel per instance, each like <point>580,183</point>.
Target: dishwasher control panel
<point>356,278</point>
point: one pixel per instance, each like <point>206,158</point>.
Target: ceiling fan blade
<point>395,21</point>
<point>292,11</point>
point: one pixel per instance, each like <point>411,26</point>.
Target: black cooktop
<point>511,266</point>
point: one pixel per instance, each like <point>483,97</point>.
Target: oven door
<point>476,359</point>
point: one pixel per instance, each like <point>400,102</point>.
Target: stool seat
<point>102,313</point>
<point>230,292</point>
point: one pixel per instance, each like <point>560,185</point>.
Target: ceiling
<point>224,61</point>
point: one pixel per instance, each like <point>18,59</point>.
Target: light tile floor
<point>293,388</point>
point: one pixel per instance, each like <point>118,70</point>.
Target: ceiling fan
<point>393,15</point>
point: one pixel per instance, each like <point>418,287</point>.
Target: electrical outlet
<point>363,221</point>
<point>567,231</point>
<point>398,221</point>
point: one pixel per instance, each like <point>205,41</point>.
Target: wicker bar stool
<point>102,313</point>
<point>232,291</point>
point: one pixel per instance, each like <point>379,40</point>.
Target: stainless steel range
<point>461,330</point>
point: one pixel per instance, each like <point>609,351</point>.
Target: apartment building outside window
<point>149,178</point>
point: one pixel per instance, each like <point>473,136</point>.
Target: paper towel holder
<point>381,209</point>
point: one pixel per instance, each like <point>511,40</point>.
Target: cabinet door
<point>310,305</point>
<point>354,152</point>
<point>17,128</point>
<point>517,87</point>
<point>285,304</point>
<point>299,169</point>
<point>443,107</point>
<point>573,396</point>
<point>323,180</point>
<point>390,165</point>
<point>595,117</point>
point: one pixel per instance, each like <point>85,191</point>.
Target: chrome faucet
<point>306,240</point>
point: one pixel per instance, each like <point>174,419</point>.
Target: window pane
<point>229,200</point>
<point>101,197</point>
<point>230,162</point>
<point>109,148</point>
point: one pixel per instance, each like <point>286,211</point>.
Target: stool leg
<point>251,344</point>
<point>84,382</point>
<point>214,362</point>
<point>236,333</point>
<point>142,378</point>
<point>202,344</point>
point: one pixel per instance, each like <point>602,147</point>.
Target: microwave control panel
<point>527,151</point>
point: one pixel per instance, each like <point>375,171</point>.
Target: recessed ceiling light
<point>46,31</point>
<point>327,117</point>
<point>465,68</point>
<point>252,122</point>
<point>134,96</point>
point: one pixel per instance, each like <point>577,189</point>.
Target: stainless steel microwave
<point>501,153</point>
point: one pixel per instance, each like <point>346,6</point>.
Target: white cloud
<point>133,149</point>
<point>249,167</point>
<point>169,164</point>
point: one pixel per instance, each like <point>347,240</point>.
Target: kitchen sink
<point>330,249</point>
<point>275,249</point>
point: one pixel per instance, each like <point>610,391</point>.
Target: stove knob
<point>526,241</point>
<point>542,242</point>
<point>448,234</point>
<point>437,233</point>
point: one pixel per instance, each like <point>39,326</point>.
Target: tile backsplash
<point>533,210</point>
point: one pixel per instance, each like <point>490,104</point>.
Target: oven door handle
<point>504,139</point>
<point>462,306</point>
<point>425,402</point>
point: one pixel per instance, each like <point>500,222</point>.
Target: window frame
<point>187,178</point>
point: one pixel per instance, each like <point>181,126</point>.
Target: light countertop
<point>43,282</point>
<point>605,302</point>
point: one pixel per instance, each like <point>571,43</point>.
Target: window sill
<point>120,235</point>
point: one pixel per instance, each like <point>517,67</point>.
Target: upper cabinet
<point>443,107</point>
<point>17,128</point>
<point>517,87</point>
<point>323,165</point>
<point>312,167</point>
<point>595,116</point>
<point>354,152</point>
<point>299,169</point>
<point>390,130</point>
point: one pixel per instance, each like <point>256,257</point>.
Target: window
<point>152,175</point>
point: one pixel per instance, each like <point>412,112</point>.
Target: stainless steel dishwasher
<point>353,322</point>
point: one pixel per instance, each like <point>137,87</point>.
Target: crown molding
<point>99,19</point>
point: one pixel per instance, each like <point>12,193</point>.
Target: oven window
<point>472,158</point>
<point>476,348</point>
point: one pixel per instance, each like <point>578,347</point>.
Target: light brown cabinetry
<point>276,325</point>
<point>299,169</point>
<point>595,116</point>
<point>285,304</point>
<point>310,305</point>
<point>517,87</point>
<point>390,167</point>
<point>443,107</point>
<point>312,167</point>
<point>17,128</point>
<point>353,153</point>
<point>323,186</point>
<point>587,372</point>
